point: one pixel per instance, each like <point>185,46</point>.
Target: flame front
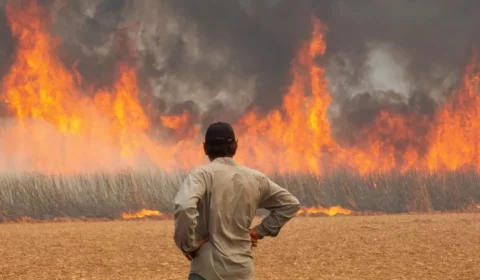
<point>143,213</point>
<point>332,211</point>
<point>56,127</point>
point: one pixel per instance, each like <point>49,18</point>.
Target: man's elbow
<point>297,206</point>
<point>294,207</point>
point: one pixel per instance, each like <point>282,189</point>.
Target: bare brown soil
<point>440,246</point>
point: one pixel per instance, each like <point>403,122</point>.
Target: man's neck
<point>214,158</point>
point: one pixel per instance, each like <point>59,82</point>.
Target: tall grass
<point>108,195</point>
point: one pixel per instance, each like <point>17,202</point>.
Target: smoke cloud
<point>217,59</point>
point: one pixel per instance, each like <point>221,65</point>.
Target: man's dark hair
<point>216,150</point>
<point>220,141</point>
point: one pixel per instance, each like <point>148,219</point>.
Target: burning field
<point>104,103</point>
<point>74,146</point>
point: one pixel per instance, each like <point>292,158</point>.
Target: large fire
<point>57,127</point>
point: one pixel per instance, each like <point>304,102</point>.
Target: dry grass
<point>440,246</point>
<point>108,195</point>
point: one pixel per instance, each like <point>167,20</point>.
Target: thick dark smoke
<point>218,58</point>
<point>414,45</point>
<point>6,49</point>
<point>6,41</point>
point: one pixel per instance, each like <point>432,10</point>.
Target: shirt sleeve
<point>282,206</point>
<point>186,213</point>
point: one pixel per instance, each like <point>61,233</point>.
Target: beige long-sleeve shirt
<point>219,200</point>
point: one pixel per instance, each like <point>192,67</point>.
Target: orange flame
<point>143,213</point>
<point>175,122</point>
<point>295,139</point>
<point>332,211</point>
<point>58,128</point>
<point>455,142</point>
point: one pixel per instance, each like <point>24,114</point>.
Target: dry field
<point>435,246</point>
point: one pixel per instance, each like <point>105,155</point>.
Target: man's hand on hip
<point>190,256</point>
<point>254,237</point>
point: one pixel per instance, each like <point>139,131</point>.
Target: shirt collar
<point>226,160</point>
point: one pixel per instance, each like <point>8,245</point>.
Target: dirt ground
<point>441,246</point>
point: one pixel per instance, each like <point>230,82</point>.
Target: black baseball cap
<point>219,133</point>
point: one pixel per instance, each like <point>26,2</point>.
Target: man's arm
<point>282,206</point>
<point>186,213</point>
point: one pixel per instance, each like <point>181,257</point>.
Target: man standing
<point>215,207</point>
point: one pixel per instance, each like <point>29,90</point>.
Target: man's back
<point>219,201</point>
